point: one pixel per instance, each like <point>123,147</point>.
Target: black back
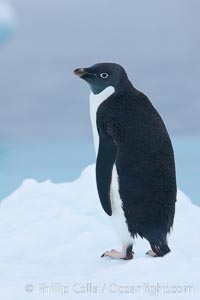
<point>133,135</point>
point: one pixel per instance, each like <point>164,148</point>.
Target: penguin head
<point>102,75</point>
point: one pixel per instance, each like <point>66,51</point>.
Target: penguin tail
<point>158,242</point>
<point>160,249</point>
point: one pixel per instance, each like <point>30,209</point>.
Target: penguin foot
<point>118,255</point>
<point>151,253</point>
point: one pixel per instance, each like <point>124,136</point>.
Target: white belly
<point>117,219</point>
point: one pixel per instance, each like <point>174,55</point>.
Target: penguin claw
<point>117,255</point>
<point>151,253</point>
<point>107,253</point>
<point>104,254</point>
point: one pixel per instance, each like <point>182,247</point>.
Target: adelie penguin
<point>135,169</point>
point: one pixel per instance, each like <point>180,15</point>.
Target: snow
<point>52,237</point>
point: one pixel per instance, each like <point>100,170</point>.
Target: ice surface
<point>52,237</point>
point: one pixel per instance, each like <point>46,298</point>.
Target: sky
<point>158,43</point>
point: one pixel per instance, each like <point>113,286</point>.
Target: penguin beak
<point>80,72</point>
<point>83,72</point>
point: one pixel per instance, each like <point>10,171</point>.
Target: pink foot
<point>151,253</point>
<point>118,255</point>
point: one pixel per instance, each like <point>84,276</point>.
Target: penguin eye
<point>103,75</point>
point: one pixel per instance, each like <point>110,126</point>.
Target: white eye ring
<point>103,75</point>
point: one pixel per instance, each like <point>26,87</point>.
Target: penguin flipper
<point>104,165</point>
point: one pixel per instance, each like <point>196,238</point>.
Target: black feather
<point>144,160</point>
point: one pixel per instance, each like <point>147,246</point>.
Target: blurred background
<point>45,130</point>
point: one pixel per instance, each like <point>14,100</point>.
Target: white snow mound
<point>52,237</point>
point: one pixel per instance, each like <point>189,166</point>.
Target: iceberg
<point>52,237</point>
<point>7,20</point>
